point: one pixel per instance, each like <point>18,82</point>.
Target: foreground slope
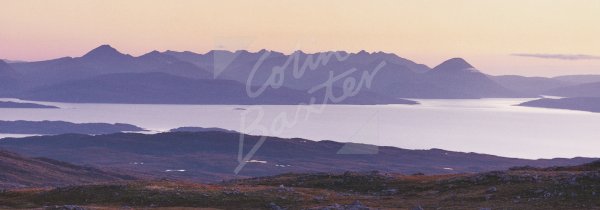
<point>17,172</point>
<point>518,188</point>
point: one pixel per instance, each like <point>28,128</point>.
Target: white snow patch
<point>175,170</point>
<point>256,161</point>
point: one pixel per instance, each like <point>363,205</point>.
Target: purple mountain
<point>8,78</point>
<point>461,80</point>
<point>221,74</point>
<point>104,60</point>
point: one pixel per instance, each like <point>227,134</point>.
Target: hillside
<point>530,85</point>
<point>517,188</point>
<point>213,156</point>
<point>18,172</point>
<point>581,90</point>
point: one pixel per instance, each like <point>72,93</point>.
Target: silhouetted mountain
<point>461,80</point>
<point>398,77</point>
<point>61,127</point>
<point>455,66</point>
<point>10,104</point>
<point>579,79</point>
<point>530,85</point>
<point>379,76</point>
<point>19,172</point>
<point>104,60</point>
<point>582,90</point>
<point>213,156</point>
<point>581,104</point>
<point>238,65</point>
<point>106,54</point>
<point>161,88</point>
<point>8,78</point>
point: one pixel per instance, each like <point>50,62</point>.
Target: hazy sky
<point>529,37</point>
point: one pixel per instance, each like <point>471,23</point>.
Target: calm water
<point>492,126</point>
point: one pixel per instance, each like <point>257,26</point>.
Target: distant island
<point>590,104</point>
<point>61,127</point>
<point>200,129</point>
<point>10,104</point>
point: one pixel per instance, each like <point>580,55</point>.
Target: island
<point>62,127</point>
<point>200,129</point>
<point>10,104</point>
<point>590,104</point>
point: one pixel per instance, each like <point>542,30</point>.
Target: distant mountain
<point>461,80</point>
<point>581,104</point>
<point>104,60</point>
<point>162,88</point>
<point>399,77</point>
<point>238,65</point>
<point>8,78</point>
<point>61,127</point>
<point>530,85</point>
<point>380,77</point>
<point>579,79</point>
<point>582,90</point>
<point>19,172</point>
<point>213,156</point>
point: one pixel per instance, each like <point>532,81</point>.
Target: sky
<point>524,37</point>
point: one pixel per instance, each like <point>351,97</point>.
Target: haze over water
<point>492,126</point>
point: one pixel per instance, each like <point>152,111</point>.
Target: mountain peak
<point>103,51</point>
<point>4,66</point>
<point>154,53</point>
<point>454,64</point>
<point>6,70</point>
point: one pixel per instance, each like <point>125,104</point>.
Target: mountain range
<point>105,75</point>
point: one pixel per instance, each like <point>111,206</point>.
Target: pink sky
<point>485,33</point>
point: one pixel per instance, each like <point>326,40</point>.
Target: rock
<point>274,206</point>
<point>390,192</point>
<point>491,190</point>
<point>417,208</point>
<point>65,207</point>
<point>356,205</point>
<point>319,198</point>
<point>283,188</point>
<point>489,197</point>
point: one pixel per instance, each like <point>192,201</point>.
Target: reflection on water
<point>492,126</point>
